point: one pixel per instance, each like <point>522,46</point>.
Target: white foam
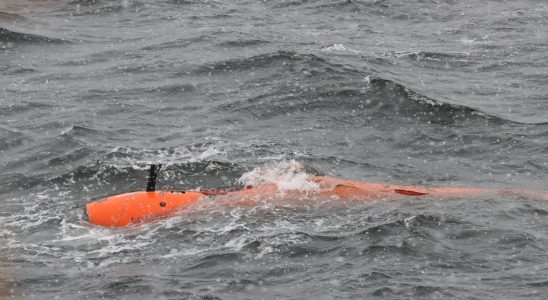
<point>287,175</point>
<point>139,159</point>
<point>339,48</point>
<point>467,41</point>
<point>236,244</point>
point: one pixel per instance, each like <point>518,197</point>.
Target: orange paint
<point>129,208</point>
<point>125,209</point>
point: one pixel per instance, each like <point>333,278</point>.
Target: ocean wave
<point>242,43</point>
<point>12,139</point>
<point>412,104</point>
<point>342,5</point>
<point>255,62</point>
<point>339,48</point>
<point>15,70</point>
<point>321,84</point>
<point>17,181</point>
<point>443,60</point>
<point>22,107</point>
<point>9,17</point>
<point>101,7</point>
<point>377,100</point>
<point>154,90</point>
<point>177,44</point>
<point>8,37</point>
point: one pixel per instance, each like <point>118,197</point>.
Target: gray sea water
<point>432,92</point>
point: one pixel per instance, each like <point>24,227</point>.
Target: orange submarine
<point>149,205</point>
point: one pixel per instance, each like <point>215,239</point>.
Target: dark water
<point>414,92</point>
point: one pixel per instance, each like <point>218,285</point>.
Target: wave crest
<point>8,37</point>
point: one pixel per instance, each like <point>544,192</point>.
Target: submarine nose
<point>110,211</point>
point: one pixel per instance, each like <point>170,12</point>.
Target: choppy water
<point>415,92</point>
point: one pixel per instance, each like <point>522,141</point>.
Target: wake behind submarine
<point>149,205</point>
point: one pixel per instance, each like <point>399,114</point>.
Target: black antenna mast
<point>153,173</point>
